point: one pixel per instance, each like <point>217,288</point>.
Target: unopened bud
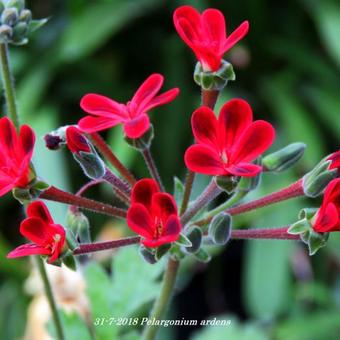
<point>9,16</point>
<point>79,225</point>
<point>25,16</point>
<point>19,31</point>
<point>6,33</point>
<point>285,158</point>
<point>194,234</point>
<point>18,4</point>
<point>220,229</point>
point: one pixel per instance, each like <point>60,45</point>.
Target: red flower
<point>153,214</point>
<point>75,141</point>
<point>226,146</point>
<point>48,238</point>
<point>15,155</point>
<point>335,158</point>
<point>206,34</point>
<point>327,218</point>
<point>108,113</point>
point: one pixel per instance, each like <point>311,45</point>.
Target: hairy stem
<point>50,298</point>
<point>57,195</point>
<point>106,151</point>
<point>120,190</point>
<point>152,167</point>
<point>8,84</point>
<point>168,284</point>
<point>270,233</point>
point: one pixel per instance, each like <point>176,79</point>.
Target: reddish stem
<point>57,195</point>
<point>272,233</point>
<point>106,151</point>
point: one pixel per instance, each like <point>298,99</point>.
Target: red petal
<point>143,191</point>
<point>163,205</point>
<point>147,91</point>
<point>6,185</point>
<point>26,141</point>
<point>102,106</point>
<point>245,170</point>
<point>335,158</point>
<point>204,127</point>
<point>326,219</point>
<point>235,116</point>
<point>256,139</point>
<point>172,229</point>
<point>204,160</point>
<point>36,230</point>
<point>214,26</point>
<point>236,36</point>
<point>27,250</point>
<point>76,142</point>
<point>93,124</point>
<point>164,98</point>
<point>332,192</point>
<point>8,137</point>
<point>139,220</point>
<point>136,127</point>
<point>39,209</point>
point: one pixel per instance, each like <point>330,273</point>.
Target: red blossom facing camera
<point>107,113</point>
<point>75,141</point>
<point>15,155</point>
<point>206,34</point>
<point>48,238</point>
<point>226,146</point>
<point>153,214</point>
<point>327,218</point>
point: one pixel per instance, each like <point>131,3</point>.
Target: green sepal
<point>148,254</point>
<point>299,227</point>
<point>220,228</point>
<point>247,184</point>
<point>307,213</point>
<point>91,164</point>
<point>284,158</point>
<point>162,250</point>
<point>202,256</point>
<point>178,191</point>
<point>316,241</point>
<point>183,241</point>
<point>143,142</point>
<point>69,261</point>
<point>227,183</point>
<point>195,235</point>
<point>71,240</point>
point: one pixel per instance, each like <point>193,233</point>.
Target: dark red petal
<point>36,230</point>
<point>147,91</point>
<point>245,169</point>
<point>332,192</point>
<point>8,137</point>
<point>143,191</point>
<point>6,185</point>
<point>236,36</point>
<point>39,209</point>
<point>27,250</point>
<point>204,160</point>
<point>205,127</point>
<point>26,140</point>
<point>235,116</point>
<point>256,139</point>
<point>163,98</point>
<point>172,228</point>
<point>93,124</point>
<point>136,127</point>
<point>163,205</point>
<point>214,27</point>
<point>76,142</point>
<point>327,219</point>
<point>139,220</point>
<point>102,106</point>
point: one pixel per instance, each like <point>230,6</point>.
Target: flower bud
<point>142,142</point>
<point>6,33</point>
<point>148,254</point>
<point>18,4</point>
<point>9,16</point>
<point>214,81</point>
<point>284,158</point>
<point>25,16</point>
<point>316,181</point>
<point>227,183</point>
<point>79,225</point>
<point>55,139</point>
<point>19,31</point>
<point>195,236</point>
<point>220,229</point>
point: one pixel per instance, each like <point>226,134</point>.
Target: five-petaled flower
<point>107,113</point>
<point>206,34</point>
<point>48,238</point>
<point>15,155</point>
<point>226,146</point>
<point>327,218</point>
<point>153,214</point>
<point>75,140</point>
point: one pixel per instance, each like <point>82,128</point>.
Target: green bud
<point>162,250</point>
<point>202,256</point>
<point>9,16</point>
<point>183,241</point>
<point>142,142</point>
<point>194,235</point>
<point>6,33</point>
<point>69,261</point>
<point>91,163</point>
<point>148,254</point>
<point>18,4</point>
<point>214,81</point>
<point>79,225</point>
<point>227,183</point>
<point>19,30</point>
<point>25,16</point>
<point>220,229</point>
<point>284,158</point>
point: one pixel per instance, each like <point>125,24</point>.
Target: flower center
<point>224,157</point>
<point>158,228</point>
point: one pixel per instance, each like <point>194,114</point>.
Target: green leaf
<point>36,24</point>
<point>178,191</point>
<point>183,241</point>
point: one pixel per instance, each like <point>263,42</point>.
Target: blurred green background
<point>287,67</point>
